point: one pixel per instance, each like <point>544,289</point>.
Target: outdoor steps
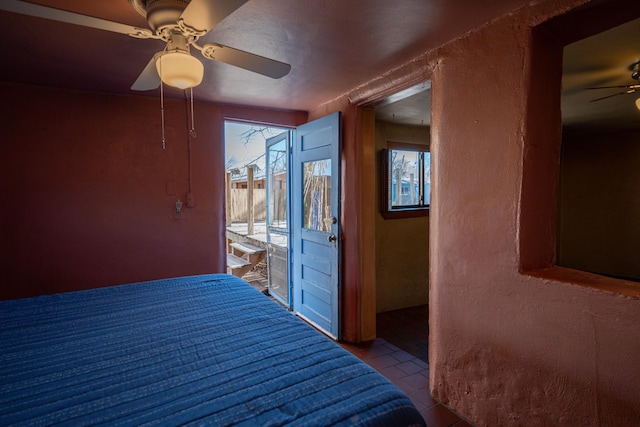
<point>243,258</point>
<point>237,266</point>
<point>251,253</point>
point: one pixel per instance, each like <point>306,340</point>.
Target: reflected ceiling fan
<point>628,89</point>
<point>179,23</point>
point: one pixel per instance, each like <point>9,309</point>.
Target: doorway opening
<point>257,206</point>
<point>283,209</point>
<point>403,122</point>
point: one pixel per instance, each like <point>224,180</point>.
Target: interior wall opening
<point>403,121</point>
<point>598,203</point>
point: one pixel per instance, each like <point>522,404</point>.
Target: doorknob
<point>332,238</point>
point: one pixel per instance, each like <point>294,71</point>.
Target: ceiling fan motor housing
<point>177,41</point>
<point>160,13</point>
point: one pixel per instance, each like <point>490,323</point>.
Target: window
<point>406,180</point>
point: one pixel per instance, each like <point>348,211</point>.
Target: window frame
<point>386,167</point>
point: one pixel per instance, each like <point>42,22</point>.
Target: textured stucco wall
<point>512,342</point>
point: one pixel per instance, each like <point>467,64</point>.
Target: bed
<point>201,350</point>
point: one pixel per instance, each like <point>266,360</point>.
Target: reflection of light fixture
<point>179,69</point>
<point>638,103</point>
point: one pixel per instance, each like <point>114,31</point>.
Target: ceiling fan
<point>628,89</point>
<point>179,23</point>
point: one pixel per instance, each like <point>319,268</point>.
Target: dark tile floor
<point>400,354</point>
<point>407,328</point>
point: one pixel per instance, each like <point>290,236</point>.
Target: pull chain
<point>192,132</point>
<point>162,108</point>
<point>162,101</point>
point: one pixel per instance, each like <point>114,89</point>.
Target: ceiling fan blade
<point>46,12</point>
<point>149,78</point>
<point>615,94</point>
<point>248,61</point>
<point>616,87</point>
<point>203,15</point>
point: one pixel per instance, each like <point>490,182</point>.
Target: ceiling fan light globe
<point>180,69</point>
<point>638,103</point>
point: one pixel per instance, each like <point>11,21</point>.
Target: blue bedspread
<point>204,349</point>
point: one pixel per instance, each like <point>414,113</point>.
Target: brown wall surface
<point>599,208</point>
<point>89,193</point>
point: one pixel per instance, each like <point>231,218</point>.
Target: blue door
<point>315,222</point>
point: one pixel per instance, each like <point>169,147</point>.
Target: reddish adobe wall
<point>89,193</point>
<point>511,342</point>
<point>548,347</point>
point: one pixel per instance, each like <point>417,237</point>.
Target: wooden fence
<point>238,208</point>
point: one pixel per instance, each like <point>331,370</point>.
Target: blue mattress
<point>204,349</point>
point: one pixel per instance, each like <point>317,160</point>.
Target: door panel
<point>316,230</point>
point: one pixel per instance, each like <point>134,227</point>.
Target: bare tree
<point>264,131</point>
